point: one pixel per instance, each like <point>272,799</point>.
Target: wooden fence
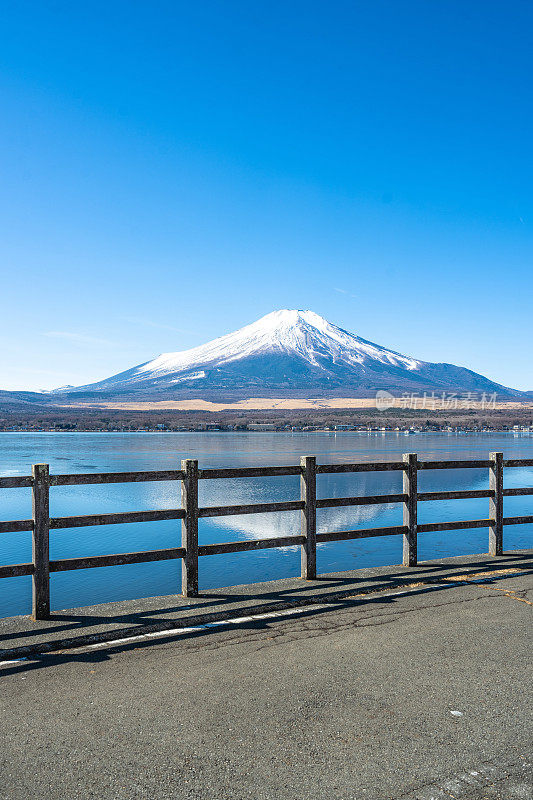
<point>40,482</point>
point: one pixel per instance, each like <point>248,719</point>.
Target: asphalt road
<point>409,696</point>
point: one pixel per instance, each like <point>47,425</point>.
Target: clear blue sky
<point>171,171</point>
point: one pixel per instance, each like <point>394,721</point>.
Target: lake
<point>118,452</point>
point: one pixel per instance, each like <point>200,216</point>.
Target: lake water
<point>116,452</point>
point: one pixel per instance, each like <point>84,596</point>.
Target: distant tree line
<point>93,419</point>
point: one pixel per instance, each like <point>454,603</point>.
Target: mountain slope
<point>285,354</point>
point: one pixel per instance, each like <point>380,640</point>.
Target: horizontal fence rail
<point>116,519</point>
<point>190,512</point>
<point>115,477</point>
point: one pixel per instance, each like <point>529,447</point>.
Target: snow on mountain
<point>286,353</point>
<point>301,333</point>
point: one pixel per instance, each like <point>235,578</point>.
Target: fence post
<point>410,510</point>
<point>496,504</point>
<point>308,516</point>
<point>189,528</point>
<point>40,542</point>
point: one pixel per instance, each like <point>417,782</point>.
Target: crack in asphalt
<point>296,629</point>
<point>478,578</point>
<point>513,594</point>
<point>283,630</point>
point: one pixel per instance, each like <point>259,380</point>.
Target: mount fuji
<point>285,354</point>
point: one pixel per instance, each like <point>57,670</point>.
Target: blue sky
<point>172,171</point>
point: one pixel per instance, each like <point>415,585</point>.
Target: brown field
<point>284,404</point>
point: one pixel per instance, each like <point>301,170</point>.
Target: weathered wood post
<point>189,528</point>
<point>40,542</point>
<point>308,516</point>
<point>410,510</point>
<point>496,504</point>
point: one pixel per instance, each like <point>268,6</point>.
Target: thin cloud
<point>149,324</point>
<point>343,291</point>
<point>77,338</point>
<point>49,372</point>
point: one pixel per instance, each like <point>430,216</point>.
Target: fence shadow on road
<point>436,578</point>
<point>328,587</point>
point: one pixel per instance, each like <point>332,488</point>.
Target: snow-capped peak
<point>295,332</point>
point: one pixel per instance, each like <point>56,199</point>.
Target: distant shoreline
<point>402,432</point>
<point>354,414</point>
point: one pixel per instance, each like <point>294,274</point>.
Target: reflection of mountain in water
<point>254,526</point>
<point>259,526</point>
<point>269,490</point>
